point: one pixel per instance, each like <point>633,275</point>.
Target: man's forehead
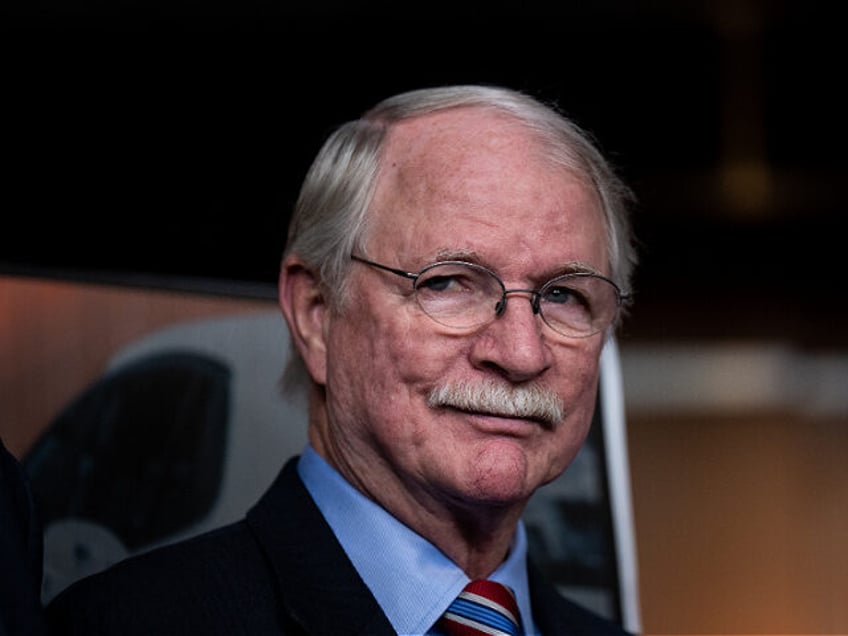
<point>445,153</point>
<point>458,126</point>
<point>478,179</point>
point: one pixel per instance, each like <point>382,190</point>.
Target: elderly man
<point>455,261</point>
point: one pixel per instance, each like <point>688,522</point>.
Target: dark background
<point>164,142</point>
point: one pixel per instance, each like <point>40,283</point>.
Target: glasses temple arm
<point>392,270</point>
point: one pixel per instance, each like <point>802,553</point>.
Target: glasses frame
<point>500,306</point>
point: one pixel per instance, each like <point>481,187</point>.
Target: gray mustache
<point>533,401</point>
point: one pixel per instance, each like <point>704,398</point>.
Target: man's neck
<point>476,537</point>
<point>473,534</point>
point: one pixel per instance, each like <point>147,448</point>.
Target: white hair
<point>331,213</point>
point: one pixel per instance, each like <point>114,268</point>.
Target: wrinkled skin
<point>468,183</point>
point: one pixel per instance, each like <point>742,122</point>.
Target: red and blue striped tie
<point>483,608</point>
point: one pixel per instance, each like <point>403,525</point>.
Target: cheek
<point>380,364</point>
<point>582,382</point>
<point>579,379</point>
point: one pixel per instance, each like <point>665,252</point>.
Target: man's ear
<point>304,307</point>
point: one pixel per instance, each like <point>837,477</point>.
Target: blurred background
<point>160,145</point>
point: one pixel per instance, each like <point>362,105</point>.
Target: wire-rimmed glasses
<point>464,295</point>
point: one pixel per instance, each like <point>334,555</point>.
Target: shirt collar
<point>412,580</point>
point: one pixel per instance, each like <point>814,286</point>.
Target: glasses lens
<point>578,304</point>
<point>458,294</point>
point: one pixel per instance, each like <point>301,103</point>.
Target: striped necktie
<point>483,608</point>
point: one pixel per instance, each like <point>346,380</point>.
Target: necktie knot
<point>483,608</point>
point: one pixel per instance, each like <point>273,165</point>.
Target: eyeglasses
<point>463,295</point>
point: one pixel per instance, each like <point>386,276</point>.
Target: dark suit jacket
<point>278,571</point>
<point>20,552</point>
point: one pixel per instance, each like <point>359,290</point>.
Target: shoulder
<point>582,621</point>
<point>20,550</point>
<point>225,581</point>
<point>201,585</point>
<point>554,614</point>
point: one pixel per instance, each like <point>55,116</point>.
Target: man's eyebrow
<point>573,267</point>
<point>472,256</point>
<point>576,267</point>
<point>452,254</point>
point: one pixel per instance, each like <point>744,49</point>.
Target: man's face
<point>467,184</point>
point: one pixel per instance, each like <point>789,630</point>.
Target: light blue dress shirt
<point>411,579</point>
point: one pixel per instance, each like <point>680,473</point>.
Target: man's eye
<point>558,295</point>
<point>563,296</point>
<point>438,283</point>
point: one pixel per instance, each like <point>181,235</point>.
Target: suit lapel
<point>554,614</point>
<point>320,591</point>
<point>318,586</point>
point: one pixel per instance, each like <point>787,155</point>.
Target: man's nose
<point>514,342</point>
